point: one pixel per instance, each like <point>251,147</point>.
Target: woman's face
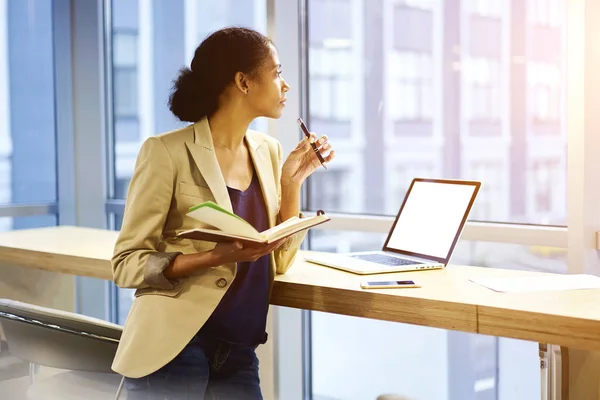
<point>266,91</point>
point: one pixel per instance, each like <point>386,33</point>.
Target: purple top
<point>241,316</point>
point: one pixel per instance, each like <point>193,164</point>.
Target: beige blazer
<point>174,172</point>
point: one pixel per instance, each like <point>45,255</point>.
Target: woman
<point>193,329</point>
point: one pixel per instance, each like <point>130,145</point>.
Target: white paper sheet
<point>540,284</point>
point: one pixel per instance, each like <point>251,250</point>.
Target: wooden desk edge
<point>56,262</point>
<point>538,327</point>
<point>366,304</point>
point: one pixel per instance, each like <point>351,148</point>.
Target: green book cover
<point>216,207</point>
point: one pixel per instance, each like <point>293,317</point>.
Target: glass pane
<point>126,99</point>
<point>124,297</point>
<point>124,48</point>
<point>451,89</point>
<point>14,372</point>
<point>403,359</point>
<point>27,109</point>
<point>151,41</point>
<point>30,221</point>
<point>511,256</point>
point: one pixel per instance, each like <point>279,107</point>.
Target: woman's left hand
<point>303,161</point>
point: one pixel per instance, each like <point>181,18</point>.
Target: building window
<point>547,13</point>
<point>410,93</point>
<point>401,180</point>
<point>422,4</point>
<point>329,190</point>
<point>125,74</point>
<point>546,175</point>
<point>331,80</point>
<point>490,202</point>
<point>483,91</point>
<point>545,92</point>
<point>487,8</point>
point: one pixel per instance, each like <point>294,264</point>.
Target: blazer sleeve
<point>137,262</point>
<point>286,253</point>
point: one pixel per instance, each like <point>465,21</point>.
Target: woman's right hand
<point>237,252</point>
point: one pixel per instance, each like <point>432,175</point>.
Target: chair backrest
<point>57,338</point>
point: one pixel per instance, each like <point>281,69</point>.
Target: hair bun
<point>219,57</point>
<point>191,97</point>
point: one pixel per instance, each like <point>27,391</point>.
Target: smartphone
<point>388,284</point>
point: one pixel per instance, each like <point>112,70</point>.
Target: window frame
<point>81,54</point>
<point>583,161</point>
<point>580,238</point>
<point>15,210</point>
<point>81,158</point>
<point>85,193</point>
<point>515,233</point>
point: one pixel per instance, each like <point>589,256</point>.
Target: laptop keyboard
<point>385,259</point>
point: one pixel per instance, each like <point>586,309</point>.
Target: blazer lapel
<point>203,153</point>
<point>259,152</point>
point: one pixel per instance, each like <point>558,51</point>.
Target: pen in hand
<point>312,144</point>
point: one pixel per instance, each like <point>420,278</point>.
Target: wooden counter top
<point>66,249</point>
<point>446,300</point>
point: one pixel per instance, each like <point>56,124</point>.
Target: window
<point>424,4</point>
<point>331,52</point>
<point>465,95</point>
<point>27,112</point>
<point>331,84</point>
<point>125,74</point>
<point>491,207</point>
<point>487,8</point>
<point>408,356</point>
<point>28,150</point>
<point>545,94</point>
<point>446,86</point>
<point>410,89</point>
<point>329,189</point>
<point>344,241</point>
<point>400,180</point>
<point>151,41</point>
<point>547,13</point>
<point>483,91</point>
<point>548,196</point>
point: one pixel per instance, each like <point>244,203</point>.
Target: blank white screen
<point>431,218</point>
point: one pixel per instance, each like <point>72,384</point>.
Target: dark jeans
<point>206,369</point>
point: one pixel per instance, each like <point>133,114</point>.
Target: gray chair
<point>83,346</point>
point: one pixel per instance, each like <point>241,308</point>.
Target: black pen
<point>313,144</point>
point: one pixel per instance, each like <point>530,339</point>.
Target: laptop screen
<point>431,218</point>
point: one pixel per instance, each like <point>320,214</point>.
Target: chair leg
<point>120,388</point>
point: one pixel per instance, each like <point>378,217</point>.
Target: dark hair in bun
<point>219,57</point>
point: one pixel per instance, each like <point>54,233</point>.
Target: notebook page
<point>214,215</point>
<point>292,225</point>
<point>539,284</point>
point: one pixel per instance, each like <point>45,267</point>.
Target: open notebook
<point>229,227</point>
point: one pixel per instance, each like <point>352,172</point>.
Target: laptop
<point>424,234</point>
